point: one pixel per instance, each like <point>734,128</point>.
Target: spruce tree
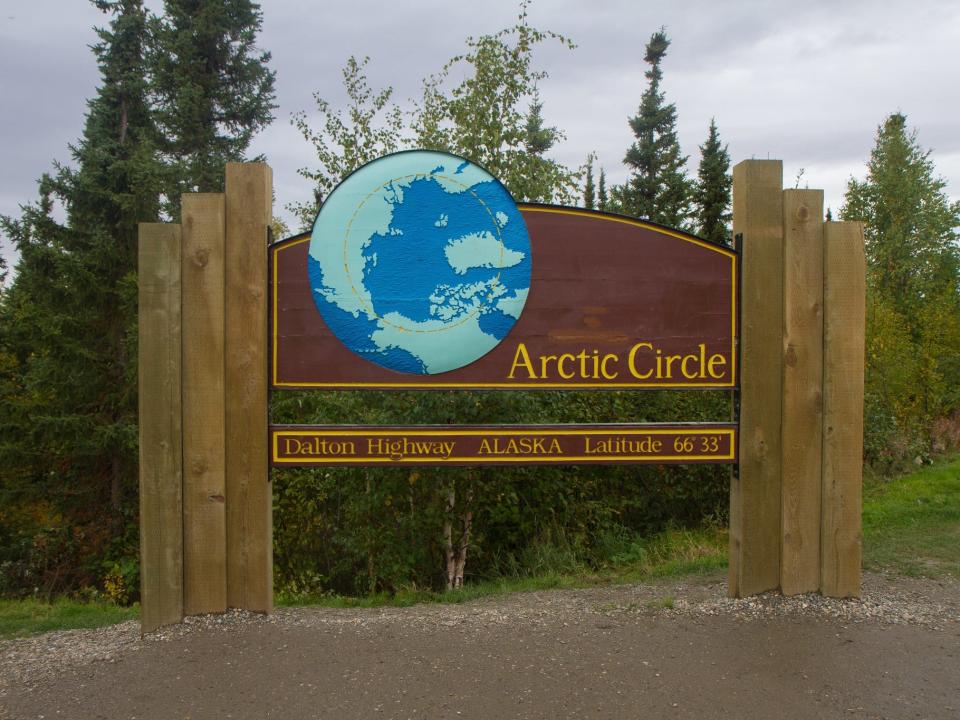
<point>603,202</point>
<point>910,224</point>
<point>589,189</point>
<point>213,89</point>
<point>658,188</point>
<point>712,192</point>
<point>68,339</point>
<point>913,293</point>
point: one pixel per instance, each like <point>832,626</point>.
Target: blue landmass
<point>406,265</point>
<point>447,249</point>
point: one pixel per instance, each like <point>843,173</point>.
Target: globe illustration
<point>420,262</point>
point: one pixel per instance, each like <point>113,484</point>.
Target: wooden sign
<point>308,446</point>
<point>477,292</point>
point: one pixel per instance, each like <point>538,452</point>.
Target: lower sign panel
<point>306,446</point>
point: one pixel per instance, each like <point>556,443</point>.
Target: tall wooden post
<point>161,461</point>
<point>249,193</point>
<point>843,361</point>
<point>755,491</point>
<point>204,480</point>
<point>802,390</point>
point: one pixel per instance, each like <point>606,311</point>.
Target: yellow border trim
<point>275,436</point>
<point>734,369</point>
<point>627,221</point>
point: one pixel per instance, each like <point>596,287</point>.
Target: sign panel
<point>293,446</point>
<point>421,272</point>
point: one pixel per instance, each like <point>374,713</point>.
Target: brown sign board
<point>613,303</point>
<point>619,444</point>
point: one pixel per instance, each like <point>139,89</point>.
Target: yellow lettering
<point>522,357</point>
<point>560,364</point>
<point>716,360</point>
<point>631,361</point>
<point>608,375</point>
<point>545,365</point>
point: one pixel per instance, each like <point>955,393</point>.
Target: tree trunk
<point>455,554</point>
<point>448,538</point>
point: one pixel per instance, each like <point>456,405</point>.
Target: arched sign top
<point>614,302</point>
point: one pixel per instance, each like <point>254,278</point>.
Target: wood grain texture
<point>161,468</point>
<point>204,487</point>
<point>802,390</point>
<point>755,489</point>
<point>249,193</point>
<point>844,299</point>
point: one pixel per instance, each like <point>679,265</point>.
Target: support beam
<point>802,390</point>
<point>204,488</point>
<point>755,490</point>
<point>161,460</point>
<point>249,196</point>
<point>843,355</point>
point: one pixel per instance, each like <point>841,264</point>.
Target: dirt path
<point>598,653</point>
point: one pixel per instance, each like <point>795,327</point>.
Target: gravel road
<point>674,649</point>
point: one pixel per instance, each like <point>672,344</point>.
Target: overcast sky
<point>807,83</point>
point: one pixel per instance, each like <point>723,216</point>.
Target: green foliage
<point>712,192</point>
<point>913,299</point>
<point>553,560</point>
<point>353,531</point>
<point>589,189</point>
<point>373,127</point>
<point>483,119</point>
<point>911,524</point>
<point>212,88</point>
<point>28,617</point>
<point>658,188</point>
<point>911,225</point>
<point>68,335</point>
<point>603,200</point>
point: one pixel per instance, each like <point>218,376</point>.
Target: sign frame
<point>343,451</point>
<point>279,384</point>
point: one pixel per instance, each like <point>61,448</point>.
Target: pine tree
<point>713,188</point>
<point>658,188</point>
<point>213,89</point>
<point>913,293</point>
<point>911,225</point>
<point>69,321</point>
<point>603,202</point>
<point>538,138</point>
<point>589,190</point>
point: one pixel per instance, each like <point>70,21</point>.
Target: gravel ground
<point>37,674</point>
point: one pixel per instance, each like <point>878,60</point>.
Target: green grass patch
<point>911,524</point>
<point>26,617</point>
<point>557,566</point>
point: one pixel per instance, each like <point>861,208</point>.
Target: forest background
<point>183,91</point>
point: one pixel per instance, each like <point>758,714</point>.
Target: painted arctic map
<point>420,262</point>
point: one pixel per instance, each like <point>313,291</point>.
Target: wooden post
<point>802,390</point>
<point>755,491</point>
<point>204,488</point>
<point>249,196</point>
<point>843,357</point>
<point>161,469</point>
